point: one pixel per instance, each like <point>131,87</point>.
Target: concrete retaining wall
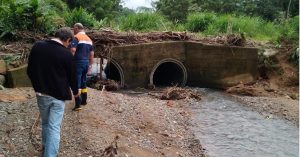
<point>205,65</point>
<point>220,66</point>
<point>137,61</point>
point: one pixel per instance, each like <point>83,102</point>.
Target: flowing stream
<point>227,129</point>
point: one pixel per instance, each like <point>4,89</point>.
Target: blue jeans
<point>52,111</point>
<point>82,67</point>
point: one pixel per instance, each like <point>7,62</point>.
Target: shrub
<point>144,22</point>
<point>28,15</point>
<point>294,58</point>
<point>57,5</point>
<point>18,15</point>
<point>80,15</point>
<point>220,25</point>
<point>253,27</point>
<point>198,22</point>
<point>289,30</point>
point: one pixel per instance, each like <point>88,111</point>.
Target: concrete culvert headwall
<point>114,72</point>
<point>168,72</point>
<point>208,65</point>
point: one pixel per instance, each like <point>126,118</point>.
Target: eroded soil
<point>145,126</point>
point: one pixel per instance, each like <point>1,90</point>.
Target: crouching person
<point>52,74</point>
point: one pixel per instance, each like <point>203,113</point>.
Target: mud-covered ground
<point>145,126</point>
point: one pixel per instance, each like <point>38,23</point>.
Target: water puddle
<point>227,129</point>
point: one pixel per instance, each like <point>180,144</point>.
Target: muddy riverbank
<point>145,125</point>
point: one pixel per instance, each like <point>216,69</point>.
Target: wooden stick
<point>32,131</point>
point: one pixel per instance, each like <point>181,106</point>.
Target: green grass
<point>199,22</point>
<point>46,16</point>
<point>144,22</point>
<point>289,30</point>
<point>252,27</point>
<point>82,16</point>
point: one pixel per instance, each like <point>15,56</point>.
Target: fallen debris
<point>245,90</point>
<point>112,149</point>
<point>105,39</point>
<point>177,93</point>
<point>109,85</point>
<point>235,40</point>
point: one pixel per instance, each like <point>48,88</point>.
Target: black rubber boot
<point>77,104</point>
<point>83,98</point>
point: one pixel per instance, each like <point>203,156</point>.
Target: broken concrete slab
<point>17,77</point>
<point>2,67</point>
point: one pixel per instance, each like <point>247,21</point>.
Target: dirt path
<point>145,127</point>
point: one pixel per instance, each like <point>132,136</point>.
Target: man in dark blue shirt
<point>82,48</point>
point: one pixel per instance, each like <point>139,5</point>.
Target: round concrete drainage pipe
<point>114,72</point>
<point>168,72</point>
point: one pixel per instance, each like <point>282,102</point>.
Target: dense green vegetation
<point>144,22</point>
<point>275,20</point>
<point>100,8</point>
<point>213,24</point>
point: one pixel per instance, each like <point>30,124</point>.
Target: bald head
<point>78,27</point>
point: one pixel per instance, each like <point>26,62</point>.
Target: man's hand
<point>77,95</point>
<point>89,70</point>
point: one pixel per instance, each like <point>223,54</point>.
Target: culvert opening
<point>169,73</point>
<point>112,74</point>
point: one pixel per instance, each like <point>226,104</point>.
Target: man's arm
<point>71,75</point>
<point>91,61</point>
<point>91,58</point>
<point>31,59</point>
<point>73,46</point>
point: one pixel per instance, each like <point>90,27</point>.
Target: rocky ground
<point>283,107</point>
<point>131,123</point>
<point>270,100</point>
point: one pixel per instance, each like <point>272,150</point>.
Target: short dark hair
<point>64,34</point>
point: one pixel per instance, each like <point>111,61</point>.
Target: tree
<point>100,8</point>
<point>290,7</point>
<point>144,10</point>
<point>218,6</point>
<point>126,11</point>
<point>175,10</point>
<point>267,9</point>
